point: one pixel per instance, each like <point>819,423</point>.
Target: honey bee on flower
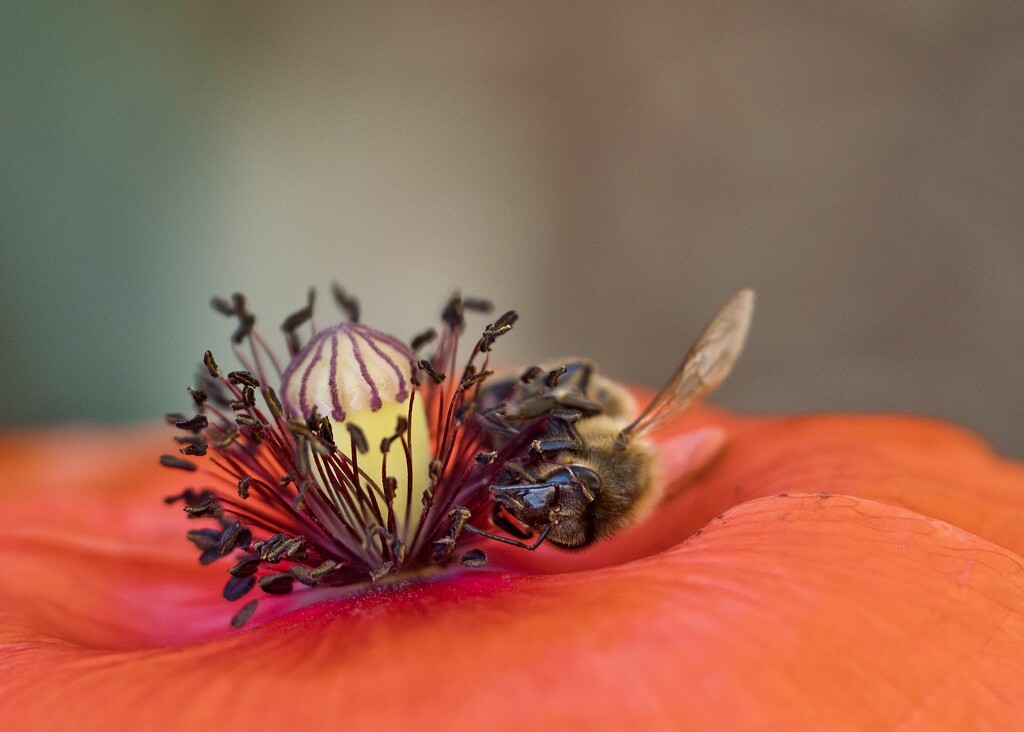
<point>369,463</point>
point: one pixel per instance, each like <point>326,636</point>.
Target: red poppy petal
<point>927,466</point>
<point>92,555</point>
<point>806,611</point>
<point>92,482</point>
<point>103,461</point>
<point>106,595</point>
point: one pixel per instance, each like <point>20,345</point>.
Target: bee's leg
<point>562,437</point>
<point>514,470</point>
<point>444,546</point>
<point>569,416</point>
<point>503,522</point>
<point>556,445</point>
<point>567,419</point>
<point>513,542</point>
<point>578,402</point>
<point>528,408</point>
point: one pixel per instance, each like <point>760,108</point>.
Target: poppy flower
<point>825,572</point>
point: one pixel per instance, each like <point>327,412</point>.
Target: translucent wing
<point>705,367</point>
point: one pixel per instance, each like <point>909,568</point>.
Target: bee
<point>592,471</point>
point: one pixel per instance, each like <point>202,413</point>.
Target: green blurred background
<point>612,170</point>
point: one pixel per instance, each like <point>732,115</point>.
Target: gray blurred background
<point>612,170</point>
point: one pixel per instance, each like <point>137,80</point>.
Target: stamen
<point>246,567</point>
<point>477,305</point>
<point>473,380</point>
<point>474,558</point>
<point>426,368</point>
<point>324,569</point>
<point>242,616</point>
<point>236,587</point>
<point>195,445</point>
<point>189,496</point>
<point>452,314</point>
<point>381,572</point>
<point>234,536</point>
<point>195,424</point>
<point>423,339</point>
<point>204,538</point>
<point>276,584</point>
<point>170,461</point>
<point>204,508</point>
<point>228,438</point>
<point>348,304</point>
<point>501,327</point>
<point>211,365</point>
<point>293,321</point>
<point>244,377</point>
<point>270,397</point>
<point>236,307</point>
<point>359,443</point>
<point>303,575</point>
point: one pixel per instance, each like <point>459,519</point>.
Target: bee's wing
<point>705,367</point>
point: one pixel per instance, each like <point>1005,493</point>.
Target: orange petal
<point>92,555</point>
<point>92,482</point>
<point>927,466</point>
<point>102,461</point>
<point>99,488</point>
<point>930,467</point>
<point>96,594</point>
<point>798,612</point>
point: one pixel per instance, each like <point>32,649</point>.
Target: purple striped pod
<point>357,375</point>
<point>347,368</point>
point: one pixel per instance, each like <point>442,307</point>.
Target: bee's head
<point>563,499</point>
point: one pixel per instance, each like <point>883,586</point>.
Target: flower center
<point>367,465</point>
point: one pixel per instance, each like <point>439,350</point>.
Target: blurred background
<point>614,171</point>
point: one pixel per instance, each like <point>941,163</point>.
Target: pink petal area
<point>804,612</point>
